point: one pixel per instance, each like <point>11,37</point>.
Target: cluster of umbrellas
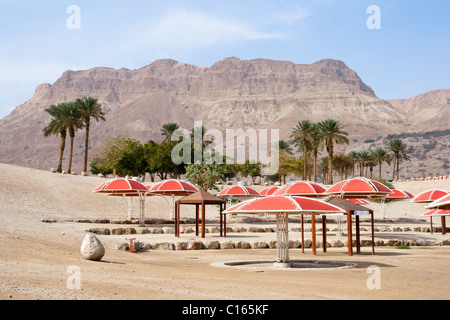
<point>295,198</point>
<point>439,202</point>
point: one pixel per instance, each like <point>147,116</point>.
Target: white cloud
<point>293,16</point>
<point>189,29</point>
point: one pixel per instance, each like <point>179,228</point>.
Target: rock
<point>213,230</point>
<point>227,245</point>
<point>259,245</point>
<point>84,174</point>
<point>337,243</point>
<point>213,245</point>
<point>294,244</point>
<point>164,246</point>
<point>156,231</point>
<point>255,229</point>
<point>103,231</point>
<point>168,230</point>
<point>92,248</point>
<point>242,245</point>
<point>118,231</point>
<point>180,246</point>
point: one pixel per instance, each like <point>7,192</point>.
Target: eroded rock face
<point>92,248</point>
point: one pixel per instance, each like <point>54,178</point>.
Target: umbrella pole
<point>142,207</point>
<point>303,235</point>
<point>282,241</point>
<point>324,233</point>
<point>313,225</point>
<point>431,225</point>
<point>444,227</point>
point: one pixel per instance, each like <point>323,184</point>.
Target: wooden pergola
<point>352,209</point>
<point>200,198</point>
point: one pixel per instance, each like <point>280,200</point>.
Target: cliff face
<point>230,94</point>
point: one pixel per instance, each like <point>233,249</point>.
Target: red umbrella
<point>126,187</point>
<point>437,212</point>
<point>358,201</point>
<point>302,188</point>
<point>358,188</point>
<point>173,188</point>
<point>269,191</point>
<point>429,196</point>
<point>282,206</point>
<point>238,191</point>
<point>399,194</point>
<point>439,199</point>
<point>443,202</point>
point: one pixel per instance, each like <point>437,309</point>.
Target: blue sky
<point>409,55</point>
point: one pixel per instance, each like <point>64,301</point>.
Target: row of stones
<point>216,245</point>
<point>170,230</point>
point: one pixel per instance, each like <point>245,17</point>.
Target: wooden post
<point>313,225</point>
<point>177,226</point>
<point>203,219</point>
<point>358,245</point>
<point>373,234</point>
<point>303,234</point>
<point>349,233</point>
<point>196,219</point>
<point>431,224</point>
<point>444,227</point>
<point>324,233</point>
<point>220,213</point>
<point>225,219</point>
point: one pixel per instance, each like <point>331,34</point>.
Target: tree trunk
<point>305,155</point>
<point>379,169</point>
<point>315,165</point>
<point>61,151</point>
<point>69,170</point>
<point>86,144</point>
<point>398,169</point>
<point>330,164</point>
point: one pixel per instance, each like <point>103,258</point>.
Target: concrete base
<point>282,264</point>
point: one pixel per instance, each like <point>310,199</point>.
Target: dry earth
<point>36,256</point>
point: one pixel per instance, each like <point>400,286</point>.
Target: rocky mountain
<point>231,94</point>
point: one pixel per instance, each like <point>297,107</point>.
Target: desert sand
<point>36,257</point>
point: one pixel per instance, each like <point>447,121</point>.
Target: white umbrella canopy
<point>282,206</point>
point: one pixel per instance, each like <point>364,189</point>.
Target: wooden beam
<point>313,224</point>
<point>349,233</point>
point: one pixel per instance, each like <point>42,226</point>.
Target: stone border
<point>293,244</point>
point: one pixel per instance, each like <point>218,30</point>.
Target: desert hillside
<point>231,94</point>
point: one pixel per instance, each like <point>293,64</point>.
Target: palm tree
<point>302,137</point>
<point>73,121</point>
<point>90,108</point>
<point>380,155</point>
<point>57,127</point>
<point>354,157</point>
<point>284,146</point>
<point>398,148</point>
<point>168,129</point>
<point>363,159</point>
<point>331,133</point>
<point>317,144</point>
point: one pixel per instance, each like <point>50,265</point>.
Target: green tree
<point>204,175</point>
<point>399,149</point>
<point>380,155</point>
<point>302,135</point>
<point>331,133</point>
<point>168,129</point>
<point>89,108</point>
<point>354,156</point>
<point>363,160</point>
<point>73,121</point>
<point>57,126</point>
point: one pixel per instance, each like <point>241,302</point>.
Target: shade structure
<point>281,207</point>
<point>238,191</point>
<point>429,196</point>
<point>359,187</point>
<point>399,194</point>
<point>302,188</point>
<point>202,198</point>
<point>126,187</point>
<point>443,202</point>
<point>269,191</point>
<point>443,213</point>
<point>173,188</point>
<point>356,210</point>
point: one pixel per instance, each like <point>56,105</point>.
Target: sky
<point>400,48</point>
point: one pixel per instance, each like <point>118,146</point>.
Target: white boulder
<point>92,248</point>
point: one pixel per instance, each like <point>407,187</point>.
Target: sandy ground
<point>37,259</point>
